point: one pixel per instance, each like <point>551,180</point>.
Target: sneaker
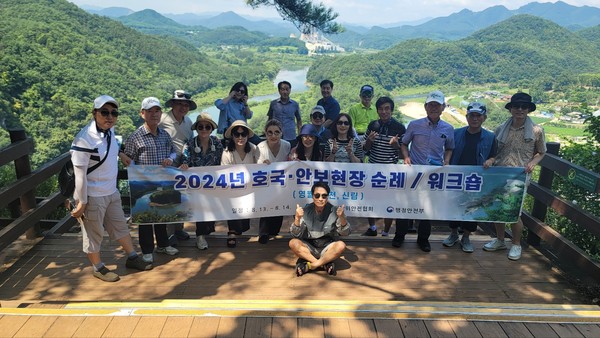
<point>465,242</point>
<point>451,240</point>
<point>201,242</point>
<point>106,275</point>
<point>138,263</point>
<point>148,258</point>
<point>370,232</point>
<point>397,241</point>
<point>384,233</point>
<point>494,245</point>
<point>514,253</point>
<point>169,250</point>
<point>182,235</point>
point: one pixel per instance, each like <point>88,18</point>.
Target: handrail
<point>12,191</point>
<point>541,191</point>
<point>16,150</point>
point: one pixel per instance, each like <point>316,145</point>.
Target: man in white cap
<point>94,156</point>
<point>179,126</point>
<point>431,142</point>
<point>151,145</point>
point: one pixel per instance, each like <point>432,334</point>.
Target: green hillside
<point>56,59</point>
<point>515,51</point>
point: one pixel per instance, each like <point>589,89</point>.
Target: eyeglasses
<point>183,94</point>
<point>319,196</point>
<point>242,134</point>
<point>273,133</point>
<point>204,127</point>
<point>317,116</point>
<point>343,123</point>
<point>105,113</point>
<point>522,106</point>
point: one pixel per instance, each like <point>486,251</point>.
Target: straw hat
<point>204,117</point>
<point>234,125</point>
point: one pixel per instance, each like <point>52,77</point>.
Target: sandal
<point>302,267</point>
<point>231,240</point>
<point>330,268</point>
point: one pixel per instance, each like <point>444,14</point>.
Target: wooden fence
<point>27,212</point>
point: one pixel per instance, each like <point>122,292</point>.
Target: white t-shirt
<point>103,180</point>
<point>266,154</point>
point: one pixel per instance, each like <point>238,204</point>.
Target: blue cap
<point>308,129</point>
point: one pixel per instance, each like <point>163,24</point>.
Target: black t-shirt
<point>469,153</point>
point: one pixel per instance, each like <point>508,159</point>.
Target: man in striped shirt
<point>382,144</point>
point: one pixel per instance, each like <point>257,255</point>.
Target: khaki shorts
<point>316,250</point>
<point>103,213</point>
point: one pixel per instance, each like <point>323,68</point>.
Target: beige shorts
<point>103,213</point>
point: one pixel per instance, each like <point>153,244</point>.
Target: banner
<point>470,193</point>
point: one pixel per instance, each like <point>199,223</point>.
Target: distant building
<point>318,44</point>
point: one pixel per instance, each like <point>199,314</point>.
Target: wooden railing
<point>19,196</point>
<point>27,213</point>
<point>545,198</point>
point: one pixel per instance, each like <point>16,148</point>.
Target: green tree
<point>303,14</point>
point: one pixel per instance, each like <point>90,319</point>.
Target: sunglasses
<point>273,133</point>
<point>243,91</point>
<point>105,113</point>
<point>522,106</point>
<point>237,135</point>
<point>183,94</point>
<point>318,196</point>
<point>317,116</point>
<point>203,127</point>
<point>343,123</point>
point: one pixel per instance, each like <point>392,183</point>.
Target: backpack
<point>66,176</point>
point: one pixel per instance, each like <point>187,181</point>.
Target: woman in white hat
<point>238,151</point>
<point>200,151</point>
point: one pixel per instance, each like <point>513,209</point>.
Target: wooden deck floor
<point>40,293</point>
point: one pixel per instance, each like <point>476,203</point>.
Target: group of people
<point>168,139</point>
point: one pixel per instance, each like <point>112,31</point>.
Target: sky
<point>381,12</point>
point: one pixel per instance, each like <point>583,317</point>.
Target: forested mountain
<point>112,12</point>
<point>464,23</point>
<point>56,59</point>
<point>452,27</point>
<point>151,22</point>
<point>517,51</point>
<point>283,29</point>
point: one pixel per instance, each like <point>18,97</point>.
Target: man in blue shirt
<point>331,105</point>
<point>286,110</point>
<point>431,142</point>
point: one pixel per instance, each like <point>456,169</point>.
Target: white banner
<point>167,195</point>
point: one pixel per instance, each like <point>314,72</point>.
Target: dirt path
<point>415,110</point>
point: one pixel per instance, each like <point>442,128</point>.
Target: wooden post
<point>23,168</point>
<point>539,209</point>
